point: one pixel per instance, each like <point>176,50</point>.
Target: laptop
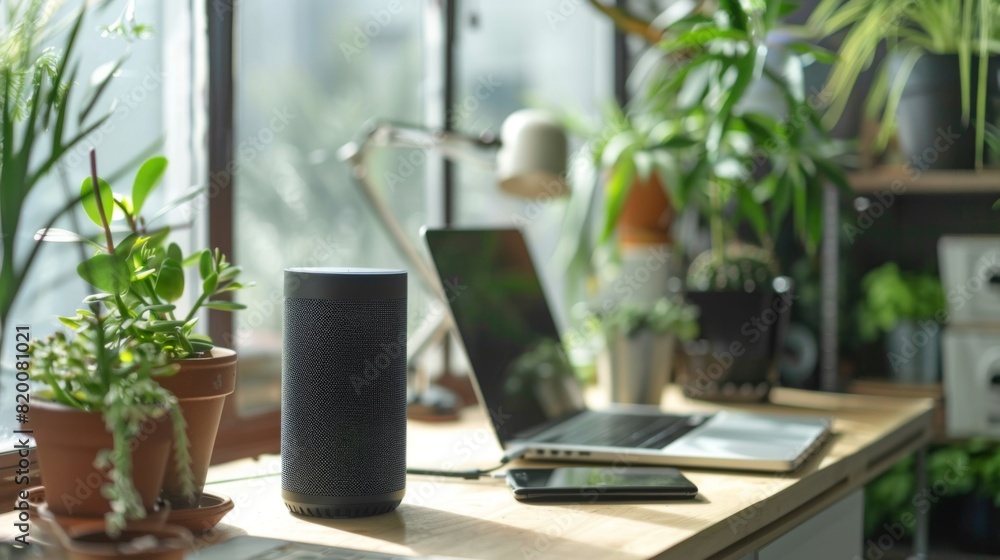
<point>533,399</point>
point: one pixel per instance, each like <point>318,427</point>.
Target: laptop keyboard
<point>625,430</point>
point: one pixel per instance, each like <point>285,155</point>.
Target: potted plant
<point>743,169</point>
<point>640,342</point>
<point>102,425</point>
<point>939,80</point>
<point>635,149</point>
<point>904,307</point>
<point>99,419</point>
<point>141,278</point>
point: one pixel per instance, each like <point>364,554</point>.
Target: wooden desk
<point>735,513</point>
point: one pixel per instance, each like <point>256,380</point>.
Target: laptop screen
<point>506,327</point>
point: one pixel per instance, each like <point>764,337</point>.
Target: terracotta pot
<point>137,542</point>
<point>201,386</point>
<point>647,216</point>
<point>68,443</point>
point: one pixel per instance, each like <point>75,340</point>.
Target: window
<point>285,89</point>
<point>134,130</point>
<point>325,70</point>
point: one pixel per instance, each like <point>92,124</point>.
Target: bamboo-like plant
<point>737,165</point>
<point>37,125</point>
<point>909,29</point>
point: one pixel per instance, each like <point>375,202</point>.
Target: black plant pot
<point>735,357</point>
<point>929,116</point>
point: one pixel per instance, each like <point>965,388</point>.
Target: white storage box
<point>972,381</point>
<point>970,276</point>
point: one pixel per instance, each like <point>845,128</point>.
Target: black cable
<point>472,474</point>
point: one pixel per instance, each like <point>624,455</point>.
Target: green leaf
<point>71,322</point>
<point>209,284</point>
<point>200,346</point>
<point>205,263</point>
<point>90,201</point>
<point>146,179</point>
<point>678,141</point>
<point>174,252</point>
<point>160,308</point>
<point>124,247</point>
<point>819,54</point>
<point>643,165</point>
<point>162,326</point>
<point>170,280</point>
<point>108,272</point>
<point>618,188</point>
<point>229,273</point>
<point>833,173</point>
<point>753,211</point>
<point>225,305</point>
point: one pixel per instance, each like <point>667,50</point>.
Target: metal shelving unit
<point>900,181</point>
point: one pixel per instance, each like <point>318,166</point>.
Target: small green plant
<point>742,267</point>
<point>892,296</point>
<point>909,28</point>
<point>663,316</point>
<point>85,372</point>
<point>141,276</point>
<point>969,467</point>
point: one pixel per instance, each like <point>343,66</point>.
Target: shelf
<point>913,181</point>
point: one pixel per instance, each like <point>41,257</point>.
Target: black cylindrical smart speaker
<point>343,391</point>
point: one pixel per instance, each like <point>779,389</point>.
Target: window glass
<point>308,77</point>
<point>135,100</point>
<point>552,54</point>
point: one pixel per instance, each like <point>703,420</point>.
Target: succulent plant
<point>741,268</point>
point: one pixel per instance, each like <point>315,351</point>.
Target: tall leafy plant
<point>909,29</point>
<point>737,164</point>
<point>37,126</point>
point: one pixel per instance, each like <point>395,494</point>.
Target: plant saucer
<point>210,511</point>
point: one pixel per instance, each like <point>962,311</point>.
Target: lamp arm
<point>386,135</point>
<point>409,251</point>
<point>428,334</point>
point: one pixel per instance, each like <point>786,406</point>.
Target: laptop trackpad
<point>733,435</point>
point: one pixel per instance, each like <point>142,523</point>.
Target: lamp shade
<point>532,156</point>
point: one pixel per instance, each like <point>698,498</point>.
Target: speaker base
<point>342,512</point>
<point>341,507</point>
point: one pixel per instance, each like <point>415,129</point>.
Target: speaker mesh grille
<point>343,421</point>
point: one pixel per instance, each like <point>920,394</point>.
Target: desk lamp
<point>529,159</point>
